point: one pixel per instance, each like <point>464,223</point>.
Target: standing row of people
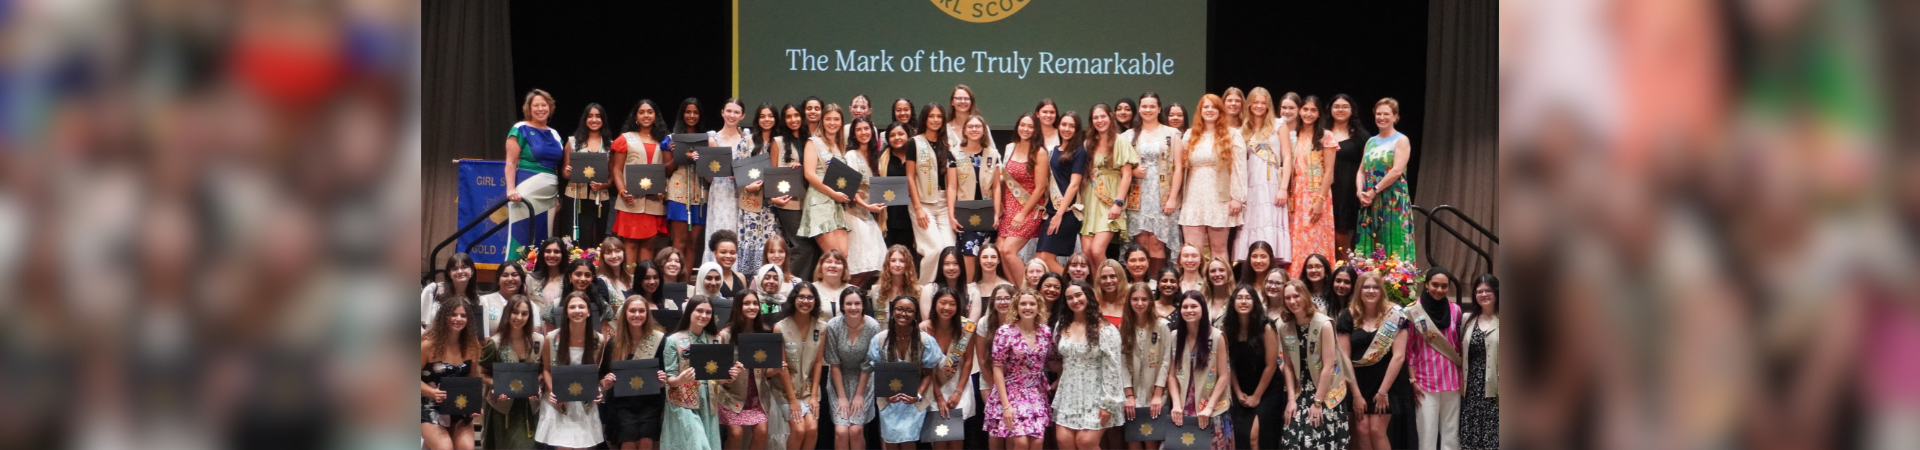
<point>1244,167</point>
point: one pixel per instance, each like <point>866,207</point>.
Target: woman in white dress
<point>1215,184</point>
<point>1159,146</point>
<point>863,258</point>
<point>1267,175</point>
<point>570,424</point>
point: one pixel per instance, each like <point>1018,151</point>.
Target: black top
<point>1063,172</point>
<point>1371,376</point>
<point>1247,359</point>
<point>1346,162</point>
<point>899,218</point>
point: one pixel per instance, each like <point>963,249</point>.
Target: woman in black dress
<point>1386,420</point>
<point>1480,404</point>
<point>1352,137</point>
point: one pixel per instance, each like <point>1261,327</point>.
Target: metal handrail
<point>1432,221</point>
<point>431,256</point>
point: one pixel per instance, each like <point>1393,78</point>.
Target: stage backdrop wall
<point>1010,52</point>
<point>617,52</point>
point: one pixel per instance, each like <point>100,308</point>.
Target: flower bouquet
<point>1400,279</point>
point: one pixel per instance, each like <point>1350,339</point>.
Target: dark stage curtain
<point>1460,154</point>
<point>467,68</point>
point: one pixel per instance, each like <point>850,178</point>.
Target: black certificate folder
<point>576,383</point>
<point>715,162</point>
<point>589,167</point>
<point>784,181</point>
<point>463,396</point>
<point>751,169</point>
<point>1145,428</point>
<point>944,429</point>
<point>646,179</point>
<point>1189,435</point>
<point>516,380</point>
<point>974,215</point>
<point>761,350</point>
<point>636,377</point>
<point>843,178</point>
<point>891,378</point>
<point>710,361</point>
<point>891,191</point>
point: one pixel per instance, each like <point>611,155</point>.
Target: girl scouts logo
<point>980,11</point>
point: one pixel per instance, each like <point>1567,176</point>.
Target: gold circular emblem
<point>461,402</point>
<point>759,356</point>
<point>573,388</point>
<point>973,220</point>
<point>980,11</point>
<point>713,366</point>
<point>587,171</point>
<point>1146,429</point>
<point>888,195</point>
<point>840,183</point>
<point>940,430</point>
<point>713,166</point>
<point>784,186</point>
<point>1186,438</point>
<point>635,382</point>
<point>895,385</point>
<point>753,173</point>
<point>646,183</point>
<point>515,386</point>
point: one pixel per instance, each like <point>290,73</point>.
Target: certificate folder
<point>1144,427</point>
<point>516,380</point>
<point>576,383</point>
<point>761,350</point>
<point>715,162</point>
<point>891,191</point>
<point>784,181</point>
<point>646,179</point>
<point>891,378</point>
<point>843,178</point>
<point>464,396</point>
<point>636,377</point>
<point>710,361</point>
<point>589,167</point>
<point>974,215</point>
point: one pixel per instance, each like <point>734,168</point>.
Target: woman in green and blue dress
<point>1386,209</point>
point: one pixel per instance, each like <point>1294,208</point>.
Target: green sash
<point>1336,390</point>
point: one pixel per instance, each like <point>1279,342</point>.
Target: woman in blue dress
<point>901,415</point>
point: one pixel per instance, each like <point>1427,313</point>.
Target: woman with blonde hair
<point>1268,153</point>
<point>536,160</point>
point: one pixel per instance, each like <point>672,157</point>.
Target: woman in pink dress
<point>1311,224</point>
<point>1020,353</point>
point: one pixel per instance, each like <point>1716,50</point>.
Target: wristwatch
<point>1119,202</point>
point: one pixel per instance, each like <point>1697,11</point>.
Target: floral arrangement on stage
<point>1401,279</point>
